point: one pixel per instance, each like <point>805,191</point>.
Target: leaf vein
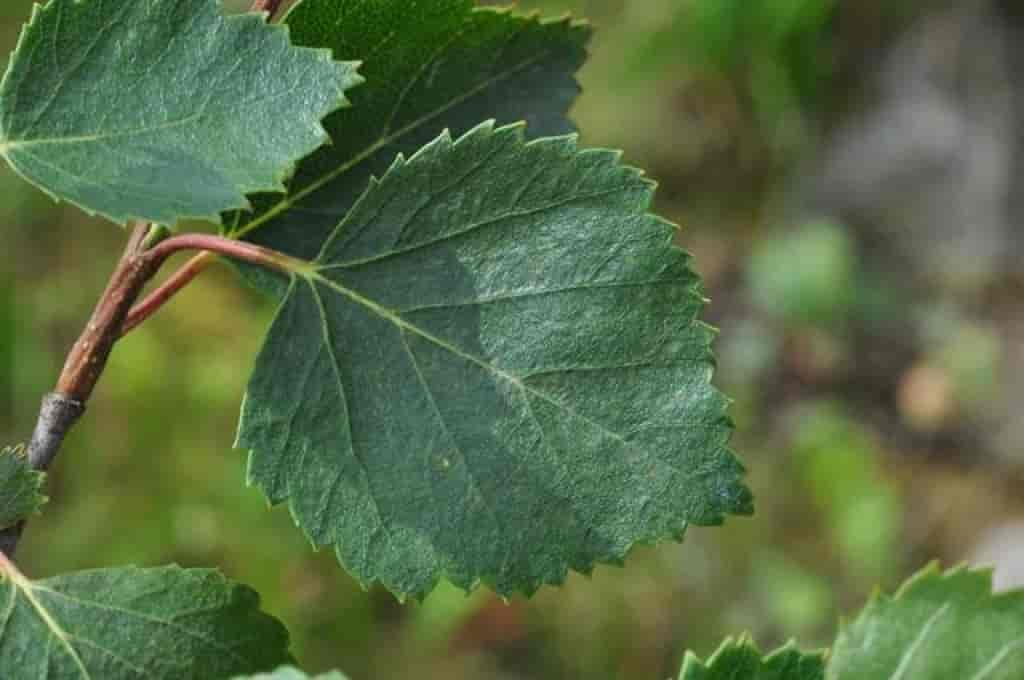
<point>356,455</point>
<point>291,199</point>
<point>515,380</point>
<point>491,221</point>
<point>128,613</point>
<point>998,660</point>
<point>528,294</point>
<point>926,630</point>
<point>473,477</point>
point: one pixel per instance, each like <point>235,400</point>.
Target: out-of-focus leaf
<point>936,627</point>
<point>494,371</point>
<point>839,462</point>
<point>161,110</point>
<point>796,597</point>
<point>806,275</point>
<point>741,660</point>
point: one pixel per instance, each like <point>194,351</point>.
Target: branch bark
<point>113,316</point>
<point>228,247</point>
<point>210,246</point>
<point>88,357</point>
<point>63,407</point>
<point>168,289</point>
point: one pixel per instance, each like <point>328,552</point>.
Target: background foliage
<point>865,376</point>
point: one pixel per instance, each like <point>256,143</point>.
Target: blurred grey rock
<point>1003,549</point>
<point>928,169</point>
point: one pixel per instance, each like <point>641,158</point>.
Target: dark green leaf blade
<point>429,66</point>
<point>937,626</point>
<point>162,110</point>
<point>20,487</point>
<point>742,660</point>
<point>292,673</point>
<point>129,623</point>
<point>494,372</point>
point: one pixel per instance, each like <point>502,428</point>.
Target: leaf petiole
<point>210,247</point>
<point>168,289</point>
<point>228,247</point>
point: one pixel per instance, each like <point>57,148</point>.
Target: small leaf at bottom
<point>20,487</point>
<point>165,623</point>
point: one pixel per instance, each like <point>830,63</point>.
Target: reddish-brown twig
<point>268,6</point>
<point>165,291</point>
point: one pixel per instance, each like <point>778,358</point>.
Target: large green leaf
<point>20,487</point>
<point>165,623</point>
<point>937,626</point>
<point>494,372</point>
<point>161,110</point>
<point>741,660</point>
<point>429,66</point>
<point>292,673</point>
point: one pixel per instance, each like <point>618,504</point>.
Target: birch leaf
<point>493,372</point>
<point>160,110</point>
<point>937,626</point>
<point>129,623</point>
<point>429,66</point>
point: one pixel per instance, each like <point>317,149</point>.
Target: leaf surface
<point>429,66</point>
<point>139,624</point>
<point>741,660</point>
<point>292,673</point>
<point>493,372</point>
<point>20,487</point>
<point>937,626</point>
<point>162,110</point>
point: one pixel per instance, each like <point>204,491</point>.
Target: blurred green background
<point>875,362</point>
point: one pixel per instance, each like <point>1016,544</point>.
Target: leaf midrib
<point>136,187</point>
<point>908,656</point>
<point>511,215</point>
<point>998,659</point>
<point>145,617</point>
<point>14,144</point>
<point>402,324</point>
<point>22,585</point>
